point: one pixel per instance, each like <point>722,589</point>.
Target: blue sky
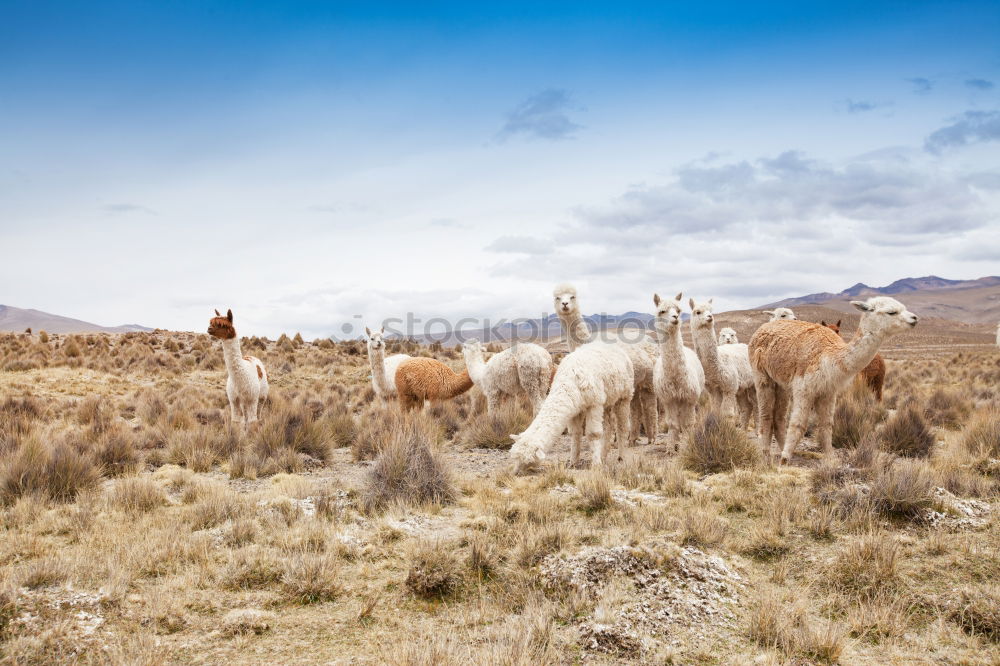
<point>306,163</point>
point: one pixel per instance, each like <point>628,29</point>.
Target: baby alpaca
<point>246,385</point>
<point>874,373</point>
<point>780,313</point>
<point>728,376</point>
<point>808,365</point>
<point>523,369</point>
<point>419,380</point>
<point>383,369</point>
<point>678,375</point>
<point>727,336</point>
<point>592,384</point>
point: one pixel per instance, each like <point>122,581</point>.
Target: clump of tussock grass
<point>212,505</point>
<point>718,444</point>
<point>857,416</point>
<point>53,470</point>
<point>250,568</point>
<point>339,427</point>
<point>906,433</point>
<point>19,415</point>
<point>947,408</point>
<point>866,567</point>
<point>905,489</point>
<point>247,622</point>
<point>434,570</point>
<point>636,473</point>
<point>493,430</point>
<point>700,527</point>
<point>311,578</point>
<point>43,572</point>
<point>782,623</point>
<point>290,428</point>
<point>136,495</point>
<point>977,611</point>
<point>382,425</point>
<point>981,440</point>
<point>595,493</point>
<point>407,470</point>
<point>115,452</point>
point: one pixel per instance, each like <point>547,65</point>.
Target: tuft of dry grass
<point>136,495</point>
<point>867,566</point>
<point>595,493</point>
<point>782,623</point>
<point>56,471</point>
<point>311,578</point>
<point>906,433</point>
<point>858,415</point>
<point>409,471</point>
<point>904,489</point>
<point>718,444</point>
<point>434,570</point>
<point>493,430</point>
<point>947,408</point>
<point>976,609</point>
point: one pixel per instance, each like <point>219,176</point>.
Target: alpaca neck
<point>457,384</point>
<point>561,405</point>
<point>377,359</point>
<point>671,345</point>
<point>707,347</point>
<point>575,329</point>
<point>859,352</point>
<point>476,367</point>
<point>232,354</point>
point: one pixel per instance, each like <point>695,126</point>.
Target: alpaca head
<point>833,327</point>
<point>564,300</point>
<point>473,349</point>
<point>780,313</point>
<point>222,327</point>
<point>668,312</point>
<point>701,314</point>
<point>375,341</point>
<point>884,316</point>
<point>525,452</point>
<point>727,336</point>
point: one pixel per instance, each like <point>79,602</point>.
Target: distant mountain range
<point>971,301</point>
<point>18,319</point>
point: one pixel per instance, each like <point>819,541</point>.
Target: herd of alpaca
<point>608,391</point>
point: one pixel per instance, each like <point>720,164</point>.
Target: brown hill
<point>18,319</point>
<point>971,301</point>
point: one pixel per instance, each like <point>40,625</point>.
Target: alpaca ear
<point>770,313</point>
<point>822,322</point>
<point>217,313</point>
<point>679,296</point>
<point>861,305</point>
<point>691,303</point>
<point>381,330</point>
<point>710,301</point>
<point>229,315</point>
<point>656,300</point>
<point>838,323</point>
<point>368,331</point>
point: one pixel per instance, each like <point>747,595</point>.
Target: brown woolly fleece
<point>420,379</point>
<point>787,348</point>
<point>874,373</point>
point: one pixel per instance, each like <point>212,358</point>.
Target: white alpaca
<point>678,374</point>
<point>808,365</point>
<point>592,383</point>
<point>522,369</point>
<point>780,313</point>
<point>246,385</point>
<point>641,351</point>
<point>383,369</point>
<point>727,336</point>
<point>728,376</point>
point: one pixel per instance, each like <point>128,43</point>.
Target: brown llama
<point>426,379</point>
<point>873,373</point>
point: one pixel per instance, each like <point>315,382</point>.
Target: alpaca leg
<point>825,408</point>
<point>622,426</point>
<point>576,435</point>
<point>876,385</point>
<point>649,415</point>
<point>782,410</point>
<point>686,420</point>
<point>797,424</point>
<point>765,413</point>
<point>595,435</point>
